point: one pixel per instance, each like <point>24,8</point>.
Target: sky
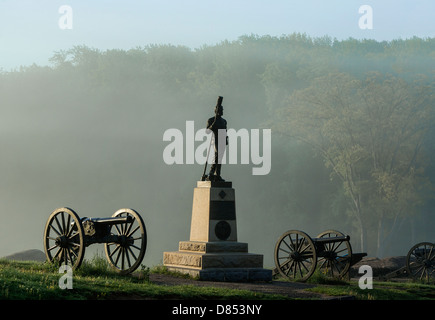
<point>30,31</point>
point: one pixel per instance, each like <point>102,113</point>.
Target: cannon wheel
<point>127,254</point>
<point>420,261</point>
<point>295,255</point>
<point>63,238</point>
<point>337,256</point>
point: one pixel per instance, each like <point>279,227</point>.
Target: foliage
<point>90,102</point>
<point>370,134</point>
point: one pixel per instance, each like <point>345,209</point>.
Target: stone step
<point>212,247</point>
<point>212,260</point>
<point>226,274</point>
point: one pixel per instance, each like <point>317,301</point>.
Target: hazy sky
<point>29,30</point>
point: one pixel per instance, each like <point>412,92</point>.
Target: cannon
<point>420,261</point>
<point>124,236</point>
<point>297,255</point>
<point>419,264</point>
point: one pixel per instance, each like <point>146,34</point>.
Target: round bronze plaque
<point>222,230</point>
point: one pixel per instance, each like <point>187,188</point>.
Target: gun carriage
<point>419,264</point>
<point>124,236</point>
<point>297,255</point>
<point>420,261</point>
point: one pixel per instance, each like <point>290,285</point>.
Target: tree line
<point>352,120</point>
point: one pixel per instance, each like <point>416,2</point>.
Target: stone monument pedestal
<point>213,252</point>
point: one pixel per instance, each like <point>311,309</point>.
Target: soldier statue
<point>218,126</point>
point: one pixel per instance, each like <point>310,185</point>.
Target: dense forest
<point>352,137</point>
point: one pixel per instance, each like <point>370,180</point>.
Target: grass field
<point>21,280</point>
<point>95,280</point>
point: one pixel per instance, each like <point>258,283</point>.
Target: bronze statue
<point>218,126</point>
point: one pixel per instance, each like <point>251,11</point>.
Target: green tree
<point>370,134</point>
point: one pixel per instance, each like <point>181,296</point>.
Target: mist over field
<point>86,132</point>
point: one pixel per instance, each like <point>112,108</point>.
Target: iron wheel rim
<point>295,255</point>
<point>64,238</point>
<point>127,254</point>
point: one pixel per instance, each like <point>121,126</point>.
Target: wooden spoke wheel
<point>126,254</point>
<point>63,238</point>
<point>295,255</point>
<point>333,258</point>
<point>420,261</point>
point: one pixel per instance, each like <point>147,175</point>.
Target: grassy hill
<point>94,280</point>
<point>27,255</point>
<point>32,280</point>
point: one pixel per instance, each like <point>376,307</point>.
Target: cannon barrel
<point>331,239</point>
<point>112,220</point>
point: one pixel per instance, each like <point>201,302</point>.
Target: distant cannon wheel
<point>127,254</point>
<point>295,255</point>
<point>63,238</point>
<point>420,261</point>
<point>335,257</point>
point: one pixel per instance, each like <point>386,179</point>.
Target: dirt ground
<point>380,267</point>
<point>291,289</point>
<point>297,290</point>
